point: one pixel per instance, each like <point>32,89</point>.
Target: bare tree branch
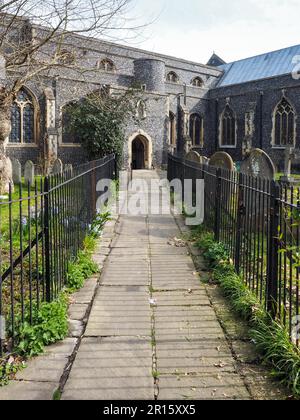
<point>35,35</point>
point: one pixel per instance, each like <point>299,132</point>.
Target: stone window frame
<point>172,77</point>
<point>197,82</point>
<point>193,119</point>
<point>108,65</point>
<point>172,129</point>
<point>221,122</point>
<point>36,120</point>
<point>275,111</point>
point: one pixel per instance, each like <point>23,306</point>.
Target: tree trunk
<point>5,129</point>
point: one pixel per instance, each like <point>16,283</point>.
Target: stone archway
<point>140,151</point>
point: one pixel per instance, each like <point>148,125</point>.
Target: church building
<point>231,107</point>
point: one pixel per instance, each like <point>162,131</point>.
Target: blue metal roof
<point>263,66</point>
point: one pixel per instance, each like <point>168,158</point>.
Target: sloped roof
<point>215,61</point>
<point>262,66</point>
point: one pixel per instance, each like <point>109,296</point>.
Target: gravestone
<point>258,164</point>
<point>16,171</point>
<point>222,160</point>
<point>193,157</point>
<point>204,160</point>
<point>69,168</point>
<point>57,167</point>
<point>29,172</point>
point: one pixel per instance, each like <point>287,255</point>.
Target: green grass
<point>281,174</point>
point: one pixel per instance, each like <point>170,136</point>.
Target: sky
<point>233,29</point>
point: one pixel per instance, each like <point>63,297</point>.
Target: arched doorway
<point>138,154</point>
<point>140,150</point>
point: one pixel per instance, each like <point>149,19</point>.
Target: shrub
<point>82,268</point>
<point>49,325</point>
<point>99,223</point>
<point>75,277</point>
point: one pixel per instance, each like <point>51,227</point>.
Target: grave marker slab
<point>222,160</point>
<point>16,171</point>
<point>57,167</point>
<point>69,167</point>
<point>29,172</point>
<point>258,164</point>
<point>193,157</point>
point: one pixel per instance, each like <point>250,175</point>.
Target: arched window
<point>106,65</point>
<point>197,82</point>
<point>196,129</point>
<point>68,135</point>
<point>172,129</point>
<point>24,118</point>
<point>228,128</point>
<point>67,57</point>
<point>284,124</point>
<point>141,110</point>
<point>172,77</point>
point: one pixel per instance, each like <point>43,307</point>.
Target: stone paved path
<point>133,349</point>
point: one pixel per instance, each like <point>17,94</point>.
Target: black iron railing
<point>259,222</point>
<point>42,228</point>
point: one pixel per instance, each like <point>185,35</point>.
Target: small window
<point>23,118</point>
<point>284,124</point>
<point>197,82</point>
<point>228,128</point>
<point>172,129</point>
<point>106,65</point>
<point>172,77</point>
<point>196,129</point>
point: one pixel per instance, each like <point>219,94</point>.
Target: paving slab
<point>214,387</point>
<point>112,368</point>
<point>78,311</point>
<point>27,391</point>
<point>151,307</point>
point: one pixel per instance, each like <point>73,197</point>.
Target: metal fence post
<point>47,240</point>
<point>116,168</point>
<point>273,251</point>
<point>218,205</point>
<point>240,214</point>
<point>183,179</point>
<point>94,192</point>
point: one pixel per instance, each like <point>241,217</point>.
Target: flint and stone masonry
<point>174,91</point>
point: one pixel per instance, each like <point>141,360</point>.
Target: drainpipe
<point>216,124</point>
<point>261,120</point>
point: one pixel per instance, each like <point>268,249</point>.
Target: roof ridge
<point>262,54</point>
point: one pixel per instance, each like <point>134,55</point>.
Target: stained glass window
<point>15,136</point>
<point>228,132</point>
<point>28,123</point>
<point>23,119</point>
<point>196,129</point>
<point>284,132</point>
